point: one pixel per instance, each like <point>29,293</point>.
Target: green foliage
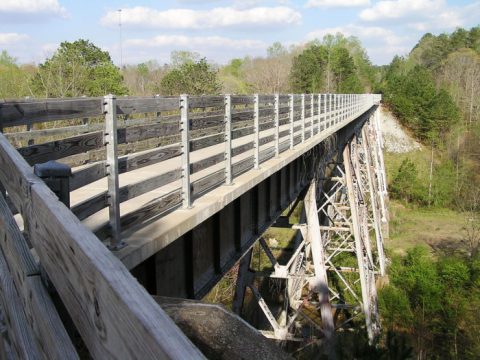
<point>432,50</point>
<point>13,78</point>
<point>276,50</point>
<point>194,78</point>
<point>394,305</point>
<point>181,57</point>
<point>78,68</point>
<point>406,185</point>
<point>415,100</point>
<point>433,302</point>
<point>344,70</point>
<point>444,184</point>
<point>308,70</point>
<point>336,64</point>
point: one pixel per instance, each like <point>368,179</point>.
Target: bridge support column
<point>244,279</point>
<point>379,165</point>
<point>320,281</point>
<point>359,218</point>
<point>367,166</point>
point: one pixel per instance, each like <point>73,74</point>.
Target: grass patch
<point>438,228</point>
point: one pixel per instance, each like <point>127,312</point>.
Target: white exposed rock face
<point>396,139</point>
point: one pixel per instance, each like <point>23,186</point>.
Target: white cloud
<point>396,9</point>
<point>336,3</point>
<point>12,38</point>
<point>422,15</point>
<point>221,17</point>
<point>31,7</point>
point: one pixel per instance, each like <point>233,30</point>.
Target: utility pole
<point>120,28</point>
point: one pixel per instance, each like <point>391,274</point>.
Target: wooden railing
<point>112,312</point>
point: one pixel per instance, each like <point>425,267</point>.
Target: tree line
<point>80,68</point>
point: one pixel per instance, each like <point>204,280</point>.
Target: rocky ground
<point>397,140</point>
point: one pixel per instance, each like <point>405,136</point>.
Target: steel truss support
<point>329,279</point>
<point>360,229</point>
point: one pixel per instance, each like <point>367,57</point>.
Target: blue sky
<point>221,30</point>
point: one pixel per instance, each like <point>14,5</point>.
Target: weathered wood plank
<point>20,333</point>
<point>14,113</point>
<point>59,149</point>
<point>206,141</point>
<point>91,205</point>
<point>241,132</point>
<point>266,125</point>
<point>87,175</point>
<point>148,131</point>
<point>242,99</point>
<point>129,105</point>
<point>205,122</point>
<point>205,101</point>
<point>148,157</point>
<point>266,99</point>
<point>242,115</point>
<point>64,131</point>
<point>209,182</point>
<point>113,313</point>
<point>207,162</point>
<point>48,329</point>
<point>131,191</point>
<point>14,246</point>
<point>242,148</point>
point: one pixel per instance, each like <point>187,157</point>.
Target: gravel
<point>396,139</point>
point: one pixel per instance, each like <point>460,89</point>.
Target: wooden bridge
<point>164,196</point>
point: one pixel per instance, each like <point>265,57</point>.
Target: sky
<point>220,30</point>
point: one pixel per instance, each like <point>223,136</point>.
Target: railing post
<point>256,132</point>
<point>345,112</point>
<point>311,114</point>
<point>338,107</point>
<point>277,124</point>
<point>291,101</point>
<point>303,118</point>
<point>228,140</point>
<point>319,110</point>
<point>342,106</point>
<point>329,103</point>
<point>335,103</point>
<point>110,111</point>
<point>324,96</point>
<point>350,105</point>
<point>352,98</point>
<point>345,107</point>
<point>185,138</point>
